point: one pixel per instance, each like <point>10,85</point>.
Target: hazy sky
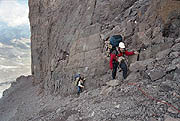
<point>14,12</point>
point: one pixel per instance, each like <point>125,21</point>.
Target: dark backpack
<point>115,40</point>
<point>77,77</point>
<point>113,51</point>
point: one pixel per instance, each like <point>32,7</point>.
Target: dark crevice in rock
<point>170,71</point>
<point>94,8</point>
<point>171,28</point>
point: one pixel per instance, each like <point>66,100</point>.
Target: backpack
<point>76,80</point>
<point>113,51</point>
<point>115,40</point>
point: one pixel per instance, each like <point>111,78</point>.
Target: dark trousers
<point>123,66</point>
<point>115,65</point>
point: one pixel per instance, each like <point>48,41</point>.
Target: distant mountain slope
<point>15,57</point>
<point>14,53</point>
<point>8,33</point>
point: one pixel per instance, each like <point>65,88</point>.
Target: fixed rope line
<point>152,98</point>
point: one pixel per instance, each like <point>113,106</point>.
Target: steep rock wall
<point>68,36</point>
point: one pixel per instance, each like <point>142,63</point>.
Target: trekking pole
<point>142,48</point>
<point>139,54</point>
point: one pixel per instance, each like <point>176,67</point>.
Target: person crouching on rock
<point>117,59</point>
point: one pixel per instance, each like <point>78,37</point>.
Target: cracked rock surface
<point>70,36</point>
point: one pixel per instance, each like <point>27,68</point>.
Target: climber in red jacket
<point>117,59</point>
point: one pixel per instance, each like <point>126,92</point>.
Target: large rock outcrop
<point>68,36</point>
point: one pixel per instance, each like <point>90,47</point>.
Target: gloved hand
<point>120,59</point>
<point>136,52</point>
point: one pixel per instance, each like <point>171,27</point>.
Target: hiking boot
<point>78,93</point>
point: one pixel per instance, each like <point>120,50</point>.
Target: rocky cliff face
<point>68,36</point>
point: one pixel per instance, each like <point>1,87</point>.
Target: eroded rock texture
<point>68,36</point>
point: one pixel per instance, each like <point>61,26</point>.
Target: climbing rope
<point>152,98</point>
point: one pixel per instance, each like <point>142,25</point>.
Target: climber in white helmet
<point>119,60</point>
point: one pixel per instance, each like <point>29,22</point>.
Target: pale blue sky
<point>23,1</point>
<point>14,12</point>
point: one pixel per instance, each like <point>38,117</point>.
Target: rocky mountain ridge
<point>69,36</point>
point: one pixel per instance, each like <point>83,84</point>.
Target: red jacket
<point>114,57</point>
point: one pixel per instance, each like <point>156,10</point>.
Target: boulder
<point>163,54</point>
<point>171,68</point>
<point>113,83</point>
<point>106,90</point>
<point>176,47</point>
<point>137,66</point>
<point>156,74</point>
<point>168,118</point>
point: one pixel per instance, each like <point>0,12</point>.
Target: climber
<point>80,85</point>
<point>117,59</point>
<point>79,82</point>
<point>114,61</point>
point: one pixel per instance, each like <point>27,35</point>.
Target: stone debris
<point>70,36</point>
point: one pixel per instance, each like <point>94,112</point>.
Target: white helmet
<point>121,45</point>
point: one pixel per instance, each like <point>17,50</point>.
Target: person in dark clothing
<point>117,59</point>
<point>114,61</point>
<point>123,66</point>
